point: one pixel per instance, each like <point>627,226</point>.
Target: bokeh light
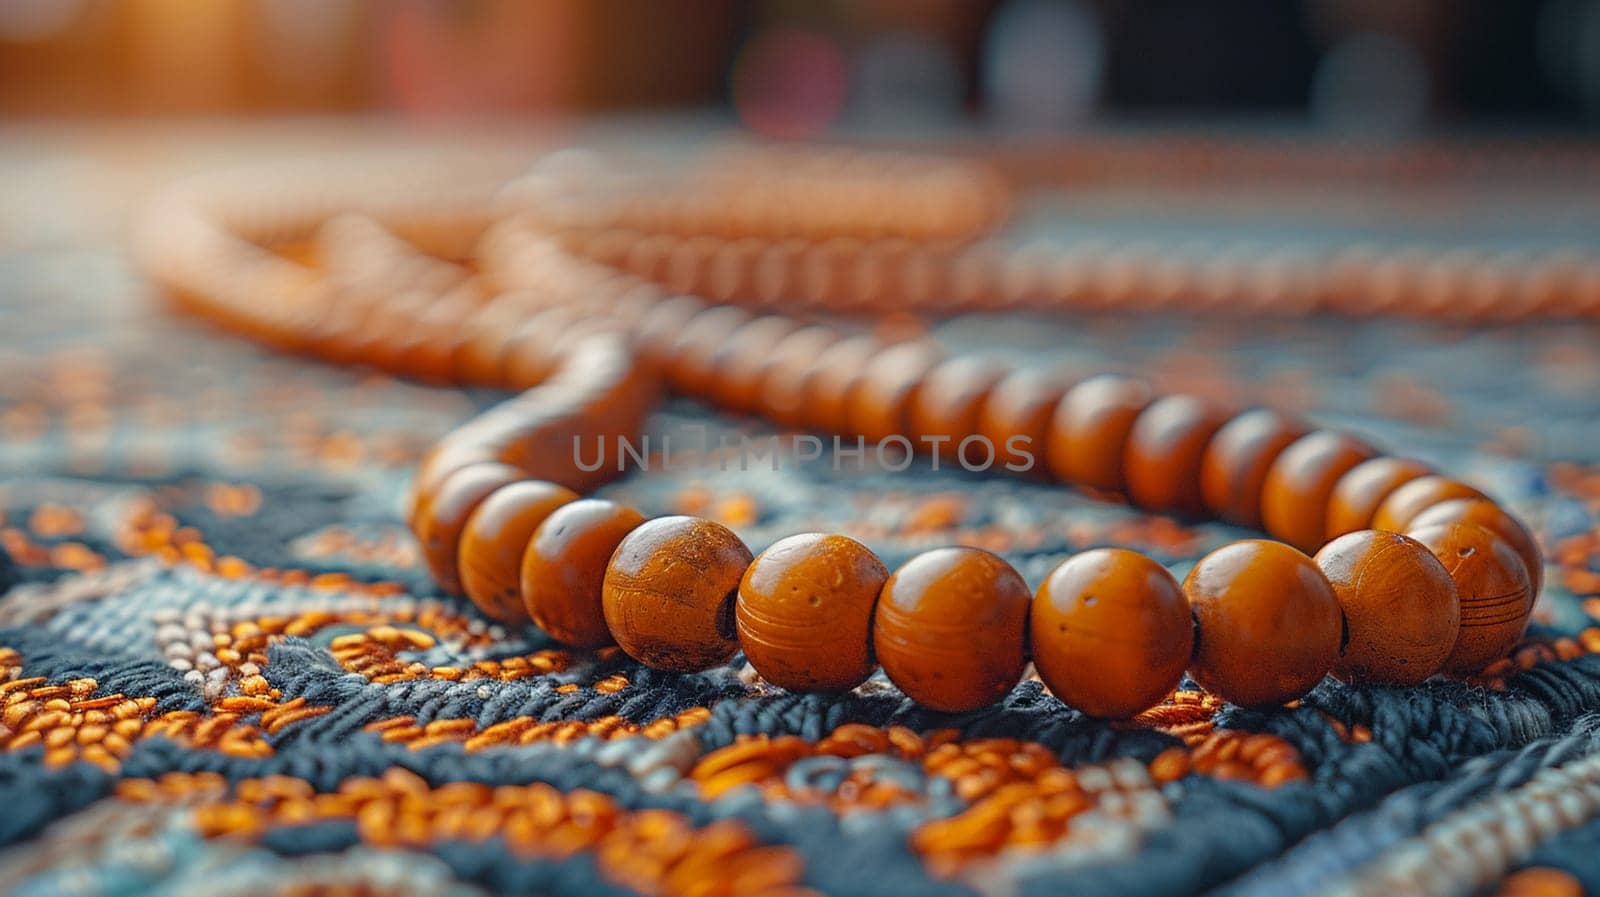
<point>1371,84</point>
<point>1043,64</point>
<point>790,82</point>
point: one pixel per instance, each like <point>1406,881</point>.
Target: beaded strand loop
<point>590,291</point>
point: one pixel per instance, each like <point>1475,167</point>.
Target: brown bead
<point>944,412</point>
<point>1358,494</point>
<point>442,515</point>
<point>690,367</point>
<point>1090,428</point>
<point>1111,632</point>
<point>831,377</point>
<point>1495,519</point>
<point>1294,499</point>
<point>564,569</point>
<point>1161,464</point>
<point>1234,468</point>
<point>804,612</point>
<point>532,351</point>
<point>740,365</point>
<point>669,590</point>
<point>478,360</point>
<point>494,539</point>
<point>1400,607</point>
<point>889,383</point>
<point>1396,512</point>
<point>439,464</point>
<point>1492,583</point>
<point>1269,625</point>
<point>783,397</point>
<point>950,628</point>
<point>1015,418</point>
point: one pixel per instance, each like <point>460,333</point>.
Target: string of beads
<point>591,290</point>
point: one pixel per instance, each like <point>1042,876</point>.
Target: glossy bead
<point>1396,512</point>
<point>783,379</point>
<point>1015,418</point>
<point>1400,607</point>
<point>1294,499</point>
<point>1358,494</point>
<point>804,612</point>
<point>831,377</point>
<point>532,350</point>
<point>944,411</point>
<point>889,383</point>
<point>1492,517</point>
<point>439,464</point>
<point>442,515</point>
<point>1268,623</point>
<point>1161,464</point>
<point>1111,632</point>
<point>690,368</point>
<point>494,539</point>
<point>740,366</point>
<point>1492,583</point>
<point>1234,468</point>
<point>949,628</point>
<point>564,569</point>
<point>668,593</point>
<point>1090,428</point>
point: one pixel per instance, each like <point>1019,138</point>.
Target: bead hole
<point>725,616</point>
<point>1465,551</point>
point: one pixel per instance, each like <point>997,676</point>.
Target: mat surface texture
<point>224,671</point>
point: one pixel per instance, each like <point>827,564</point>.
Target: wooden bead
<point>494,539</point>
<point>690,368</point>
<point>783,380</point>
<point>1161,464</point>
<point>944,411</point>
<point>741,365</point>
<point>669,590</point>
<point>804,612</point>
<point>1269,624</point>
<point>889,383</point>
<point>1492,517</point>
<point>442,515</point>
<point>1400,607</point>
<point>564,569</point>
<point>1358,494</point>
<point>1294,499</point>
<point>1090,428</point>
<point>477,362</point>
<point>949,628</point>
<point>532,350</point>
<point>1111,632</point>
<point>438,465</point>
<point>1015,418</point>
<point>1492,583</point>
<point>1396,512</point>
<point>831,377</point>
<point>1234,469</point>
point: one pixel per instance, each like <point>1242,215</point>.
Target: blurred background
<point>794,68</point>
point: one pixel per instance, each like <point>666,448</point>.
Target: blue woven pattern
<point>223,670</point>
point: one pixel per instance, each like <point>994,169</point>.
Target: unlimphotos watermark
<point>727,451</point>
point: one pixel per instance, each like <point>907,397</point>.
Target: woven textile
<point>224,671</point>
